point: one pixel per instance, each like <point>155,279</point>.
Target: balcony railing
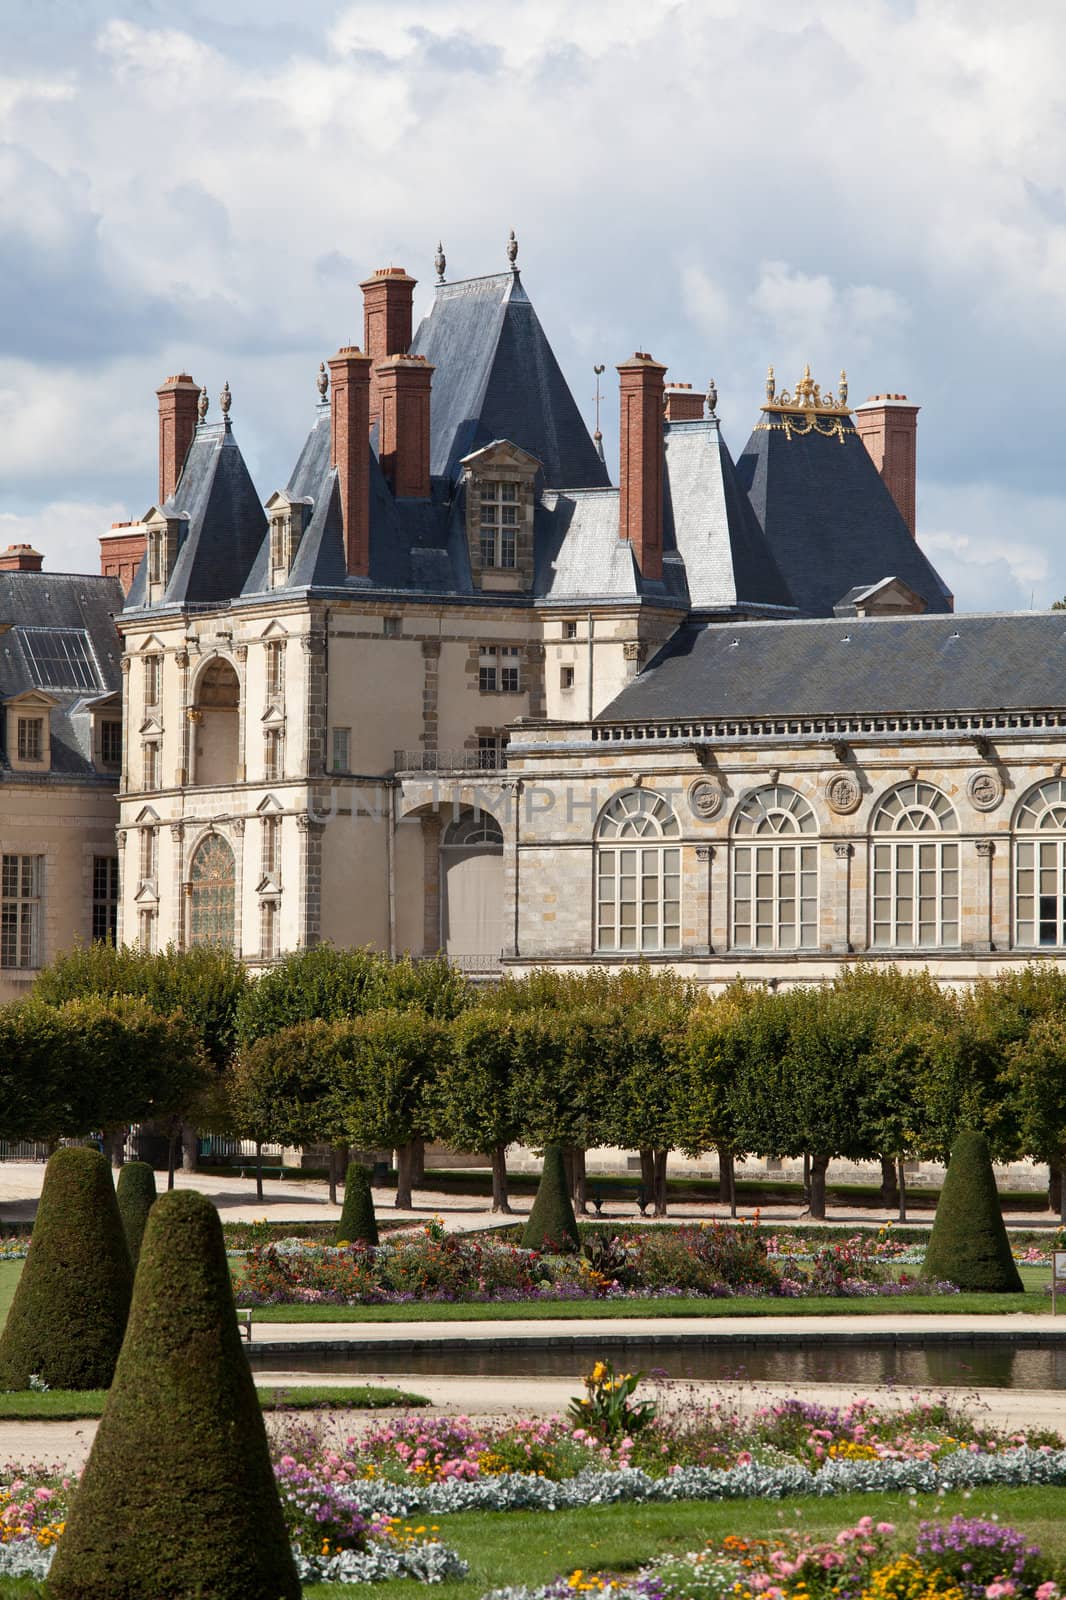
<point>450,760</point>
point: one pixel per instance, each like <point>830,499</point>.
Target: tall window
<point>500,511</point>
<point>275,669</point>
<point>148,854</point>
<point>150,763</point>
<point>110,742</point>
<point>20,911</point>
<point>342,750</point>
<point>105,898</point>
<point>499,669</point>
<point>270,858</point>
<point>638,874</point>
<point>915,881</point>
<point>147,929</point>
<point>269,929</point>
<point>153,677</point>
<point>212,893</point>
<point>273,753</point>
<point>1040,866</point>
<point>775,876</point>
<point>31,738</point>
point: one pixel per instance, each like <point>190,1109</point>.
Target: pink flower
<point>1048,1591</point>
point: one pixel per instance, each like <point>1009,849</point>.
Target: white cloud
<point>64,531</point>
<point>998,548</point>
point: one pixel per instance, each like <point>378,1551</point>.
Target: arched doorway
<point>217,718</point>
<point>471,889</point>
<point>212,893</point>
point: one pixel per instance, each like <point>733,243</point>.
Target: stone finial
<point>842,392</point>
<point>322,381</point>
<point>512,251</point>
<point>712,398</point>
<point>440,262</point>
<point>771,384</point>
<point>202,404</point>
<point>225,400</point>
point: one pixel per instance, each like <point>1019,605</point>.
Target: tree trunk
<point>418,1163</point>
<point>819,1165</point>
<point>806,1180</point>
<point>404,1177</point>
<point>259,1169</point>
<point>333,1165</point>
<point>661,1157</point>
<point>172,1153</point>
<point>1062,1200</point>
<point>727,1181</point>
<point>500,1200</point>
<point>901,1185</point>
<point>889,1185</point>
<point>188,1147</point>
<point>580,1205</point>
<point>1054,1188</point>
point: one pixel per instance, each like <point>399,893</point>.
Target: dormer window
<point>110,742</point>
<point>288,520</point>
<point>500,512</point>
<point>31,739</point>
<point>500,486</point>
<point>28,731</point>
<point>161,540</point>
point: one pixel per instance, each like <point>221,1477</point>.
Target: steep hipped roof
<point>497,378</point>
<point>890,665</point>
<point>40,606</point>
<point>224,523</point>
<point>829,520</point>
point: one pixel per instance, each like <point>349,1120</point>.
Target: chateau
<point>450,689</point>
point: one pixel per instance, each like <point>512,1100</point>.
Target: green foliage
<point>968,1245</point>
<point>358,1223</point>
<point>607,1408</point>
<point>35,1087</point>
<point>178,1498</point>
<point>68,1315</point>
<point>560,1076</point>
<point>1036,1073</point>
<point>205,984</point>
<point>470,1102</point>
<point>552,1222</point>
<point>387,1061</point>
<point>136,1196</point>
<point>283,1089</point>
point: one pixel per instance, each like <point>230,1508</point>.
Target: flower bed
<point>964,1559</point>
<point>711,1260</point>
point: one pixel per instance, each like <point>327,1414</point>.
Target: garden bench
<point>638,1196</point>
<point>244,1325</point>
<point>268,1172</point>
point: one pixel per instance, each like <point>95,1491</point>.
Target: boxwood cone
<point>178,1499</point>
<point>968,1244</point>
<point>552,1219</point>
<point>358,1221</point>
<point>136,1196</point>
<point>69,1312</point>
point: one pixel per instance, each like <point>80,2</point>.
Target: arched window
<point>915,881</point>
<point>1040,866</point>
<point>638,875</point>
<point>775,877</point>
<point>212,893</point>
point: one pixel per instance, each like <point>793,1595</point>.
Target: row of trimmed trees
<point>344,1048</point>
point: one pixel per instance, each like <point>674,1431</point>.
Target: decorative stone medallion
<point>985,789</point>
<point>843,793</point>
<point>705,799</point>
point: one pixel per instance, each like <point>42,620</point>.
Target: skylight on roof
<point>60,658</point>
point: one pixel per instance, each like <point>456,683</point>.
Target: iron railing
<point>450,760</point>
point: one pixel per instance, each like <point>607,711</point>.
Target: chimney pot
<point>21,558</point>
<point>887,424</point>
<point>682,403</point>
<point>640,496</point>
<point>177,425</point>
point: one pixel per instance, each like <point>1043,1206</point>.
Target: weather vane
<point>598,370</point>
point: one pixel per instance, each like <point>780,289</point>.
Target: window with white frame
<point>30,738</point>
<point>273,753</point>
<point>274,651</point>
<point>20,910</point>
<point>149,854</point>
<point>499,669</point>
<point>775,872</point>
<point>1040,867</point>
<point>638,874</point>
<point>105,898</point>
<point>490,750</point>
<point>915,870</point>
<point>153,679</point>
<point>269,929</point>
<point>341,753</point>
<point>501,510</point>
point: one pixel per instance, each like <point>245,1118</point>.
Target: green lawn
<point>72,1405</point>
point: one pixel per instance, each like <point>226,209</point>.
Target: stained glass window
<point>212,879</point>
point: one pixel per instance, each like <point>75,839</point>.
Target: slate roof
<point>829,520</point>
<point>224,523</point>
<point>61,600</point>
<point>497,378</point>
<point>858,666</point>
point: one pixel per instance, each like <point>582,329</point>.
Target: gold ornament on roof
<point>805,409</point>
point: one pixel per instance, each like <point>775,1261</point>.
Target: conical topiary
<point>136,1196</point>
<point>552,1221</point>
<point>178,1498</point>
<point>69,1312</point>
<point>968,1245</point>
<point>358,1221</point>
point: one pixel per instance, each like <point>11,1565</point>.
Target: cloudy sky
<point>876,184</point>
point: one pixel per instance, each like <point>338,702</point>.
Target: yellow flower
<point>599,1372</point>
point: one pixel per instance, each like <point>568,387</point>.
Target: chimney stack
<point>387,309</point>
<point>122,552</point>
<point>403,384</point>
<point>640,498</point>
<point>177,424</point>
<point>887,424</point>
<point>21,558</point>
<point>683,404</point>
<point>349,378</point>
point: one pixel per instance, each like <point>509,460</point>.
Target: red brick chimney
<point>640,477</point>
<point>177,424</point>
<point>888,426</point>
<point>122,553</point>
<point>349,378</point>
<point>683,404</point>
<point>403,440</point>
<point>21,558</point>
<point>387,308</point>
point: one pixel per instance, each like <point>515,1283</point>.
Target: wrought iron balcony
<point>449,761</point>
